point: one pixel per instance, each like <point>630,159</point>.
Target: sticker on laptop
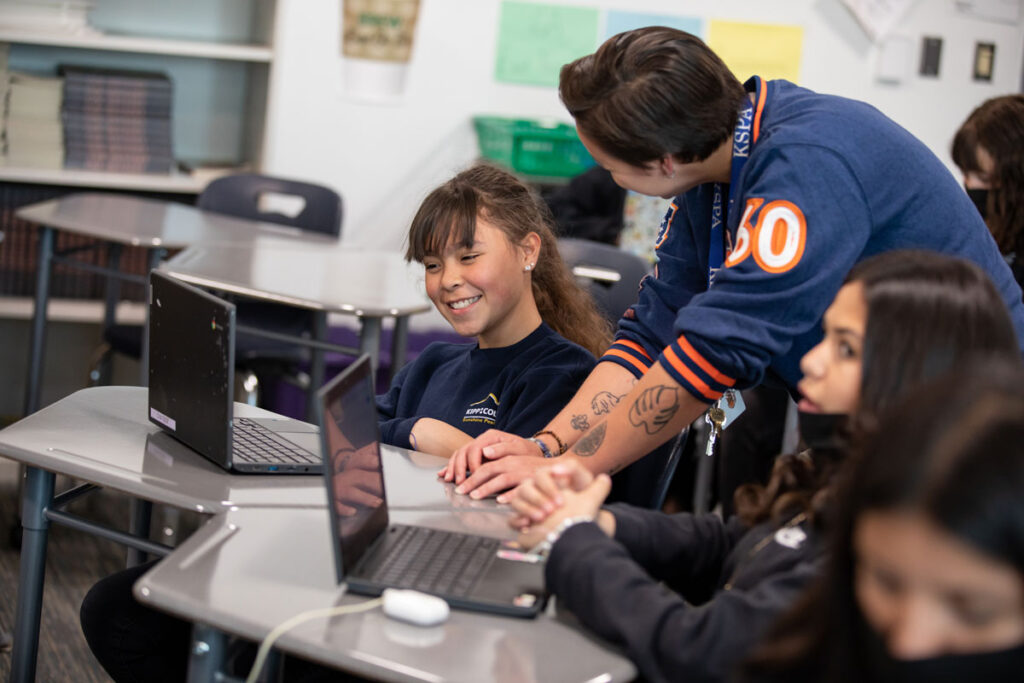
<point>525,600</point>
<point>163,419</point>
<point>519,556</point>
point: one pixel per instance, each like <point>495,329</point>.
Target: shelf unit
<point>143,45</point>
<point>218,54</point>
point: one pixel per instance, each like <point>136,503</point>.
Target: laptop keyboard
<point>432,561</point>
<point>253,443</point>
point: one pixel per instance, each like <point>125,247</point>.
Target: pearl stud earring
<point>528,267</point>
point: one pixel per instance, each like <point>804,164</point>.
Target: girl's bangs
<point>443,219</point>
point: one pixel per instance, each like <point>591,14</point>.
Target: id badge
<point>732,405</point>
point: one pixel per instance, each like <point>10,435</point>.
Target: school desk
<point>119,220</point>
<point>101,436</point>
<point>248,570</point>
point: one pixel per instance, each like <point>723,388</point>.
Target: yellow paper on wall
<point>766,50</point>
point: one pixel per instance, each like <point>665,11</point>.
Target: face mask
<point>823,431</point>
<point>983,667</point>
<point>980,199</point>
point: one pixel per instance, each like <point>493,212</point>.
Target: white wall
<point>384,158</point>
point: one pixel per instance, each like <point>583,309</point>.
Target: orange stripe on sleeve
<point>762,89</point>
<point>630,359</point>
<point>703,364</point>
<point>695,381</point>
<point>636,347</point>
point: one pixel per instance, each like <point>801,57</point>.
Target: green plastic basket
<point>532,148</point>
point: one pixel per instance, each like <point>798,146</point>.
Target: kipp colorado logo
<point>484,411</point>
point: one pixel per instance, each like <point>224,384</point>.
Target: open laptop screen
<point>354,474</point>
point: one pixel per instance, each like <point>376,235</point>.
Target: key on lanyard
<point>715,417</point>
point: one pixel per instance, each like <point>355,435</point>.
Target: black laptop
<point>370,554</point>
<point>191,387</point>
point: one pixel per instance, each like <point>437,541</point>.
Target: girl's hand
<point>584,503</point>
<point>540,495</point>
<point>491,444</point>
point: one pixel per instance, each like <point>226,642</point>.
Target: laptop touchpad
<point>286,425</point>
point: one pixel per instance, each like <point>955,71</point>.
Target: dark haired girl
<point>989,149</point>
<point>926,582</point>
<point>900,319</point>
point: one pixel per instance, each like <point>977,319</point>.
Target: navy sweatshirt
<point>729,583</point>
<point>516,389</point>
<point>828,182</point>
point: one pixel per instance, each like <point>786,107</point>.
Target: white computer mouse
<point>414,607</point>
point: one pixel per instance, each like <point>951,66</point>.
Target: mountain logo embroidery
<point>484,411</point>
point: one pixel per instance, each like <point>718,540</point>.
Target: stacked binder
<point>116,120</point>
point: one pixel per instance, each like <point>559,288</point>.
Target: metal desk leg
<point>317,365</point>
<point>369,340</point>
<point>37,494</point>
<point>106,365</point>
<point>141,517</point>
<point>154,257</point>
<point>206,657</point>
<point>37,349</point>
<point>399,344</point>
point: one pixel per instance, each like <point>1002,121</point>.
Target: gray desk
<point>250,569</point>
<point>369,284</point>
<point>101,436</point>
<point>122,220</point>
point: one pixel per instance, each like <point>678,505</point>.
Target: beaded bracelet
<point>544,547</point>
<point>543,447</point>
<point>562,448</point>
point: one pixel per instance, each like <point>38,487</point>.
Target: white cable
<point>284,627</point>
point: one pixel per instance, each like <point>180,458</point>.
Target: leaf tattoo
<point>590,442</point>
<point>580,423</point>
<point>654,408</point>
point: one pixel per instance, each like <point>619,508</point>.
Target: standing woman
<point>777,192</point>
<point>927,578</point>
<point>989,149</point>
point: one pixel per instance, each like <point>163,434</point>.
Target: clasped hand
<point>555,493</point>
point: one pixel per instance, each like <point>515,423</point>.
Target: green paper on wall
<point>534,41</point>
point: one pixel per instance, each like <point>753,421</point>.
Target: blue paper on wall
<point>617,21</point>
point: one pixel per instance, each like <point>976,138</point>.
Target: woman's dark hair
<point>952,451</point>
<point>650,92</point>
<point>997,126</point>
<point>926,312</point>
<point>450,213</point>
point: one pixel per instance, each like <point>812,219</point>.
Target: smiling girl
<point>493,270</point>
<point>901,318</point>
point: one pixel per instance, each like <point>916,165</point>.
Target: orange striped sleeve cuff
<point>629,355</point>
<point>694,372</point>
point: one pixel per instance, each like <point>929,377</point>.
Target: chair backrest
<point>611,274</point>
<point>240,195</point>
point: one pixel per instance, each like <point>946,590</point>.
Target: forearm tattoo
<point>580,423</point>
<point>591,441</point>
<point>654,408</point>
<point>604,401</point>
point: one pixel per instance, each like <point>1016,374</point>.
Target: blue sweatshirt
<point>828,183</point>
<point>516,389</point>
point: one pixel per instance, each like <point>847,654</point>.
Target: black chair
<point>611,274</point>
<point>252,196</point>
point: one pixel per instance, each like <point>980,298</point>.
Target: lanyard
<point>742,141</point>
